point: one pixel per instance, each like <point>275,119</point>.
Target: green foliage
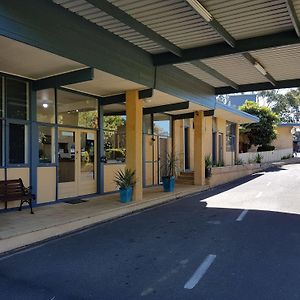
<point>113,122</point>
<point>170,169</point>
<point>125,179</point>
<point>208,161</point>
<point>117,154</point>
<point>286,106</point>
<point>219,163</point>
<point>265,148</point>
<point>263,132</point>
<point>286,156</point>
<point>239,161</point>
<point>258,158</point>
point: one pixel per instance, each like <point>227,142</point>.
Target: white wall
<point>268,156</point>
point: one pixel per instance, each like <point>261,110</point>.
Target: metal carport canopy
<point>209,42</point>
<point>191,49</point>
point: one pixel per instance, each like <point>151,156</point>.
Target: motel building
<point>89,88</point>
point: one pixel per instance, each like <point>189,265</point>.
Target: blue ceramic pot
<point>126,194</point>
<point>168,183</point>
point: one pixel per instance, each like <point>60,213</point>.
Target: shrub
<point>239,161</point>
<point>265,148</point>
<point>258,158</point>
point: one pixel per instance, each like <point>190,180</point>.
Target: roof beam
<point>259,67</point>
<point>220,49</point>
<point>293,15</point>
<point>214,73</point>
<point>293,83</point>
<point>64,79</point>
<point>128,20</point>
<point>121,98</point>
<point>208,17</point>
<point>157,109</point>
<point>166,108</point>
<point>183,116</point>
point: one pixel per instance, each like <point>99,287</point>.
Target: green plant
<point>286,156</point>
<point>258,158</point>
<point>239,161</point>
<point>170,168</point>
<point>263,132</point>
<point>208,166</point>
<point>125,179</point>
<point>208,161</point>
<point>219,163</point>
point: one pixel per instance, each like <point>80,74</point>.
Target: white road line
<point>269,183</point>
<point>199,273</point>
<point>258,195</point>
<point>242,215</point>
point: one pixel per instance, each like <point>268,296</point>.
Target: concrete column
<point>134,120</point>
<point>199,163</point>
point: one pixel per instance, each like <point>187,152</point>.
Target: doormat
<point>75,201</point>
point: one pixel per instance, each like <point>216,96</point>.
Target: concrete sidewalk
<point>19,229</point>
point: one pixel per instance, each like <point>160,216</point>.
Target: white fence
<point>268,156</point>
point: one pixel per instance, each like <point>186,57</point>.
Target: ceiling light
<point>201,10</point>
<point>77,110</point>
<point>260,68</point>
<point>45,105</point>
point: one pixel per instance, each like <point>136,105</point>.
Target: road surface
<point>238,241</point>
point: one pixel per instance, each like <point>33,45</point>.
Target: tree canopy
<point>286,106</point>
<point>263,132</point>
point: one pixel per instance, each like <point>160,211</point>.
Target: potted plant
<point>125,180</point>
<point>169,173</point>
<point>208,166</point>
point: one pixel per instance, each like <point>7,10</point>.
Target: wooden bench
<point>14,190</point>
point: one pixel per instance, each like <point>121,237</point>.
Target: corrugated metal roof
<point>198,73</point>
<point>282,62</point>
<point>95,15</point>
<point>175,20</point>
<point>244,19</point>
<point>236,68</point>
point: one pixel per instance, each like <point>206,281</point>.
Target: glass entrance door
<point>77,163</point>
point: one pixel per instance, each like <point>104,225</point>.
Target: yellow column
<point>199,163</point>
<point>237,140</point>
<point>134,119</point>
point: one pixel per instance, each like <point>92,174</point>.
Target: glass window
<point>66,156</point>
<point>45,101</point>
<point>1,99</point>
<point>115,146</point>
<point>46,144</point>
<point>16,99</point>
<point>17,143</point>
<point>77,110</point>
<point>1,142</point>
<point>230,136</point>
<point>147,124</point>
<point>162,124</point>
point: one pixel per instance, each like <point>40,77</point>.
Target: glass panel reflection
<point>87,166</point>
<point>66,156</point>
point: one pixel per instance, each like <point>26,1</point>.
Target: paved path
<point>232,249</point>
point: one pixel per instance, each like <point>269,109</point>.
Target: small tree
<point>263,132</point>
